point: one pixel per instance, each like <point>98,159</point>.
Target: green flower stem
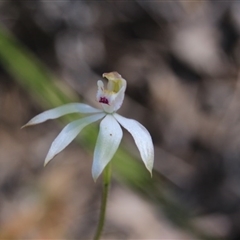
<point>106,186</point>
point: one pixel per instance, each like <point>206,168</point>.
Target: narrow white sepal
<point>108,141</point>
<point>68,133</point>
<point>141,137</point>
<point>60,111</point>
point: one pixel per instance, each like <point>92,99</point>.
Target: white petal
<point>62,110</point>
<point>109,138</point>
<point>119,97</point>
<point>141,137</point>
<point>68,133</point>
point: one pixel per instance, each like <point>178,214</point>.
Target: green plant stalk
<point>106,186</point>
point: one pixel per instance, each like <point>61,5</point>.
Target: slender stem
<point>106,185</point>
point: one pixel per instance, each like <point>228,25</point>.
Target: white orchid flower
<point>110,133</point>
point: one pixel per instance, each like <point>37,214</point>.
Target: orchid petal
<point>141,137</point>
<point>68,133</point>
<point>108,141</point>
<point>117,103</point>
<point>60,111</point>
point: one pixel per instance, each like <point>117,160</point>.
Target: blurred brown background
<point>181,61</point>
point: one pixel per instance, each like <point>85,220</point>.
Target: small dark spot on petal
<point>103,100</point>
